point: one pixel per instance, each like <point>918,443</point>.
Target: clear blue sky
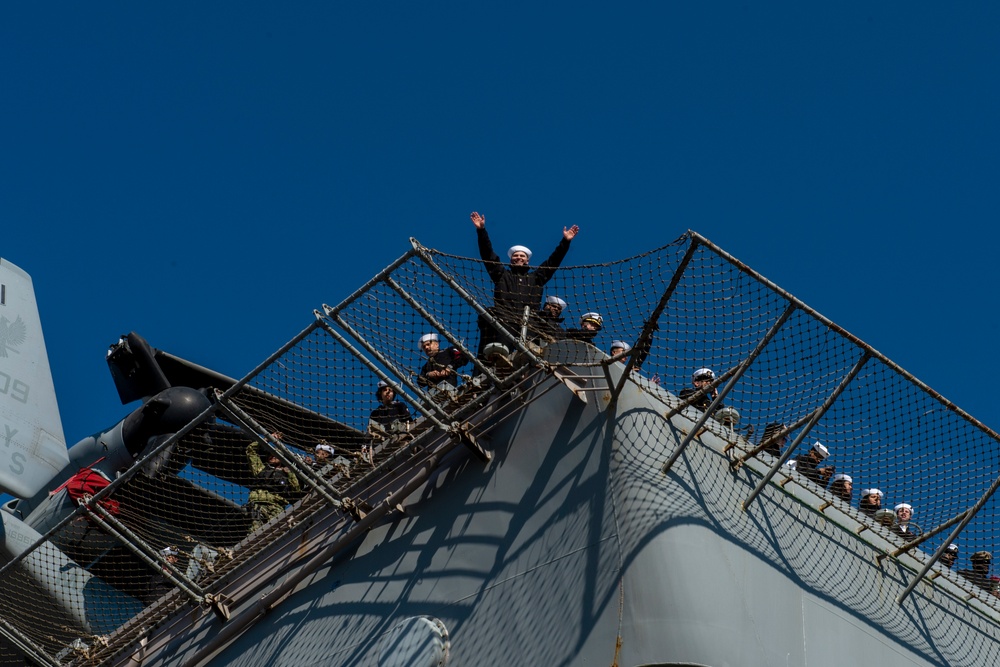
<point>208,173</point>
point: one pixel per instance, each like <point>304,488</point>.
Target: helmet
<point>703,374</point>
<point>622,344</point>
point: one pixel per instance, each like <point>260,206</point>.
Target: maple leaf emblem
<point>12,334</point>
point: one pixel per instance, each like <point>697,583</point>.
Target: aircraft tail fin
<point>32,445</point>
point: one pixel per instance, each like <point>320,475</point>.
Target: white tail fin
<point>32,445</point>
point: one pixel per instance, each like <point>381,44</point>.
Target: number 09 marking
<point>15,388</point>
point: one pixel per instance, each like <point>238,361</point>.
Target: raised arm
<point>548,268</point>
<point>493,266</point>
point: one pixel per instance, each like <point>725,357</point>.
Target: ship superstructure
<point>563,507</point>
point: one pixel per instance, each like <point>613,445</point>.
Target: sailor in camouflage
<point>271,486</point>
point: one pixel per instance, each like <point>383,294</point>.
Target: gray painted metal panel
<point>572,537</point>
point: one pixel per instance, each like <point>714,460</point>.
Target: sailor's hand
<point>569,233</point>
<point>478,220</point>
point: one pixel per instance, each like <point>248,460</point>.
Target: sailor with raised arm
<point>515,286</point>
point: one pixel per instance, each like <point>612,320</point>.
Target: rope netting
<point>307,430</point>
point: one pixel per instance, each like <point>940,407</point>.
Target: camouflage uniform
<point>268,489</point>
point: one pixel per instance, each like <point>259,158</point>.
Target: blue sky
<point>206,175</point>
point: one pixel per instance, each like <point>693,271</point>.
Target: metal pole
<point>25,645</point>
<point>133,543</point>
<point>247,422</point>
<point>425,256</point>
<point>969,515</point>
<point>272,598</point>
<point>425,398</point>
<point>440,327</point>
<point>737,374</point>
<point>646,337</point>
<point>110,488</point>
<point>836,328</point>
<point>813,420</point>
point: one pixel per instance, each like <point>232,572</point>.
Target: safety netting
<point>308,429</point>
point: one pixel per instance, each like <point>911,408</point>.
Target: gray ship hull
<point>572,548</point>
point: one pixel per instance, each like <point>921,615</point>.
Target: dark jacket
<point>386,414</point>
<point>582,334</point>
<point>451,358</point>
<point>545,325</point>
<point>805,465</point>
<point>518,286</point>
<point>703,402</point>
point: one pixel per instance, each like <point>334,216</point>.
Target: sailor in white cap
<point>441,365</point>
<point>515,286</point>
<point>842,486</point>
<point>871,501</point>
<point>904,526</point>
<point>549,321</point>
<point>808,464</point>
<point>522,252</point>
<point>701,378</point>
<point>619,346</point>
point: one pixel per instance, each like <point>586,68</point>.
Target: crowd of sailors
<point>898,520</point>
<point>519,307</point>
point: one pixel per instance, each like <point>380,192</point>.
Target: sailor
<point>547,323</point>
<point>949,556</point>
<point>701,378</point>
<point>323,454</point>
<point>979,575</point>
<point>842,486</point>
<point>590,324</point>
<point>271,487</point>
<point>619,346</point>
<point>808,463</point>
<point>388,411</point>
<point>871,501</point>
<point>327,463</point>
<point>441,364</point>
<point>515,286</point>
<point>774,444</point>
<point>904,526</point>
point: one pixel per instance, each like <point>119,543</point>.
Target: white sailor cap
<point>820,449</point>
<point>556,301</point>
<point>169,551</point>
<point>325,447</point>
<point>425,338</point>
<point>903,506</point>
<point>593,317</point>
<point>952,547</point>
<point>841,477</point>
<point>869,492</point>
<point>622,344</point>
<point>518,248</point>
